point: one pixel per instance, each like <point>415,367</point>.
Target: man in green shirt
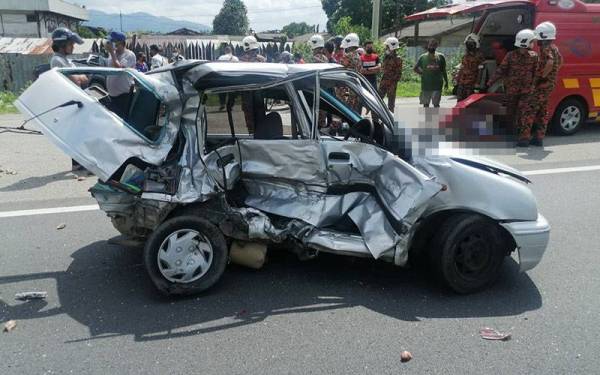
<point>431,66</point>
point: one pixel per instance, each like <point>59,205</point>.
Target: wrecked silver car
<point>215,161</point>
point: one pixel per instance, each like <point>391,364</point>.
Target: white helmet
<point>545,31</point>
<point>316,41</point>
<point>524,38</point>
<point>250,43</point>
<point>473,38</point>
<point>392,43</point>
<point>351,40</point>
<point>360,51</point>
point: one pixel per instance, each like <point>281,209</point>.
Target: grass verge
<point>6,102</point>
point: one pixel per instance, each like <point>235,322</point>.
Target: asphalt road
<point>331,315</point>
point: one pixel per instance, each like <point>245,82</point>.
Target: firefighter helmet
<point>392,43</point>
<point>316,41</point>
<point>250,43</point>
<point>474,38</point>
<point>545,31</point>
<point>351,40</point>
<point>524,38</point>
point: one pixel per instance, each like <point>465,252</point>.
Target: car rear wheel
<point>468,252</point>
<point>185,255</point>
<point>569,117</point>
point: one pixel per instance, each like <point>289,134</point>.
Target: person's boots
<point>537,142</point>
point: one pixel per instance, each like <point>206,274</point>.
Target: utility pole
<point>121,19</point>
<point>375,20</point>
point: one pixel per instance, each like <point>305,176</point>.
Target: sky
<point>263,14</point>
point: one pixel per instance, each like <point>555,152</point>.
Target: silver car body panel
<point>92,135</point>
<point>532,238</point>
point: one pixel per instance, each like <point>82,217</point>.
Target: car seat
<point>271,127</point>
<point>143,112</point>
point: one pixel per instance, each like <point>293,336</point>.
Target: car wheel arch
<point>425,229</point>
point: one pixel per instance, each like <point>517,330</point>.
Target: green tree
<point>232,19</point>
<point>344,26</point>
<point>360,11</point>
<point>294,29</point>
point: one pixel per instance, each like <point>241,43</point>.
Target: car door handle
<point>339,156</point>
<point>227,159</point>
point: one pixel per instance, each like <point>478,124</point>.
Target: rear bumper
<point>531,238</point>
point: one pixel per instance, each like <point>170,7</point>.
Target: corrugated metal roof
<point>40,46</point>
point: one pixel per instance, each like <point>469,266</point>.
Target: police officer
<point>550,61</point>
<point>469,68</point>
<point>251,53</point>
<point>63,43</point>
<point>518,72</point>
<point>351,60</point>
<point>317,44</point>
<point>392,72</point>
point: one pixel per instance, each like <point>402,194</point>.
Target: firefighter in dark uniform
<point>317,45</point>
<point>549,64</point>
<point>469,68</point>
<point>518,72</point>
<point>392,72</point>
<point>251,54</point>
<point>350,60</point>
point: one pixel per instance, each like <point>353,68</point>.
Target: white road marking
<point>47,211</point>
<point>562,170</point>
<point>94,207</point>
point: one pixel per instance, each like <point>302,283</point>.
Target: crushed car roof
<point>221,74</point>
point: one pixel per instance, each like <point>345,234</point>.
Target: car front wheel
<point>185,255</point>
<point>468,252</point>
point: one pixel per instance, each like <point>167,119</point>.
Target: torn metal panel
<point>296,160</point>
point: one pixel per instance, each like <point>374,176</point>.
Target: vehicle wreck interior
<point>497,32</point>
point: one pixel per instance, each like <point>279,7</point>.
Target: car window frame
<point>139,78</point>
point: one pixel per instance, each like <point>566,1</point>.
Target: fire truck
<point>577,95</point>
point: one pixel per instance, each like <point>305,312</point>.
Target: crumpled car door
<point>85,130</point>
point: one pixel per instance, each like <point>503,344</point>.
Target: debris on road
<point>61,226</point>
<point>10,325</point>
<point>492,334</point>
<point>8,171</point>
<point>405,356</point>
<point>81,178</point>
<point>28,296</point>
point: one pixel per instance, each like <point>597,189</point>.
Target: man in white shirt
<point>119,85</point>
<point>228,56</point>
<point>157,60</point>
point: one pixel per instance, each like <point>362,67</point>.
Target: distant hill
<point>140,22</point>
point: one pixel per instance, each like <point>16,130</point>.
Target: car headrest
<point>270,128</point>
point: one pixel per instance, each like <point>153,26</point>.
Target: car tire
<point>185,255</point>
<point>569,117</point>
<point>468,252</point>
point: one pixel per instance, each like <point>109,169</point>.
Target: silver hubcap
<point>184,256</point>
<point>570,117</point>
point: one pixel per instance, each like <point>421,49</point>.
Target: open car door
<point>91,134</point>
